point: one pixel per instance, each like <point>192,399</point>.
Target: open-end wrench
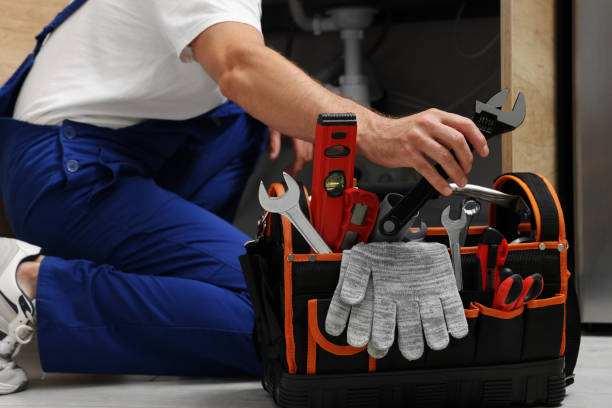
<point>453,229</point>
<point>491,121</point>
<point>289,205</point>
<point>403,234</point>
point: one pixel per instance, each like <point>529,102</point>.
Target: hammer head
<point>281,204</point>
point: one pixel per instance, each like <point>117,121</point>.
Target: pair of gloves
<point>410,285</point>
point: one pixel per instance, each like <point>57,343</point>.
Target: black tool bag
<point>525,356</point>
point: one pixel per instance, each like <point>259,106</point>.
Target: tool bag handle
<point>548,222</point>
<point>546,215</point>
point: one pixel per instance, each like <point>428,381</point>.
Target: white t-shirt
<point>115,63</point>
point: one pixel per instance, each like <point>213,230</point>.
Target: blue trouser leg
<point>94,318</point>
<point>162,291</point>
<point>184,294</point>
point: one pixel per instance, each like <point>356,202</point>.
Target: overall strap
<point>59,19</point>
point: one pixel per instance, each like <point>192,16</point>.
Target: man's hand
<point>432,134</point>
<point>281,95</point>
<point>304,152</point>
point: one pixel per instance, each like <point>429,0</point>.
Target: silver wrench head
<point>450,224</point>
<point>470,206</point>
<point>281,204</point>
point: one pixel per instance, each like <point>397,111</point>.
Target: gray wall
<point>592,147</point>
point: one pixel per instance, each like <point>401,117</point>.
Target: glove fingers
<point>410,331</point>
<point>383,326</point>
<point>434,325</point>
<point>360,323</point>
<point>376,353</point>
<point>338,312</point>
<point>356,277</point>
<point>455,316</point>
<point>337,316</point>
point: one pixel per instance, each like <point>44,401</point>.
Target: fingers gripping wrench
<point>453,229</point>
<point>491,120</point>
<point>289,205</point>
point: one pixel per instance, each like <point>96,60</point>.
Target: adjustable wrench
<point>453,229</point>
<point>289,205</point>
<point>491,121</point>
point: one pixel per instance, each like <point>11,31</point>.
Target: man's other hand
<point>303,151</point>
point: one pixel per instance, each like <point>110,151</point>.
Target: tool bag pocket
<point>544,328</point>
<point>460,352</point>
<point>264,292</point>
<point>499,336</point>
<point>331,354</point>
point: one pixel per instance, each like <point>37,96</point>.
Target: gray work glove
<point>359,316</point>
<point>414,287</point>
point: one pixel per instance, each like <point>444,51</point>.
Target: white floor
<point>593,387</point>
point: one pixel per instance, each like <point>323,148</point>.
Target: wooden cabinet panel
<point>528,65</point>
<point>20,21</point>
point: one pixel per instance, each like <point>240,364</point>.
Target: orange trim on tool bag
<point>525,246</point>
<point>436,231</point>
<point>559,299</point>
<point>307,203</point>
<point>371,364</point>
<point>562,237</point>
<point>499,314</point>
<point>565,274</point>
<point>562,351</point>
<point>333,257</point>
<point>555,300</point>
<point>534,204</point>
<point>278,189</point>
<point>316,338</point>
<point>313,328</point>
<point>553,193</point>
<point>311,355</point>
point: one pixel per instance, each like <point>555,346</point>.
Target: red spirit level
<point>333,167</point>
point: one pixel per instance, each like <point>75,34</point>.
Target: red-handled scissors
<point>528,289</point>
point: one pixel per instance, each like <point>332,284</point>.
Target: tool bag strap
<point>546,215</point>
<point>548,222</point>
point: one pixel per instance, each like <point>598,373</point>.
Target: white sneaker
<point>17,314</point>
<point>12,378</point>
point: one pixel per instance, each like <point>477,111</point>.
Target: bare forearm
<point>281,95</point>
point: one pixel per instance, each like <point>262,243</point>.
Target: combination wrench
<point>288,205</point>
<point>453,229</point>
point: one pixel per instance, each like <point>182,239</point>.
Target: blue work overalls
<point>141,273</point>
